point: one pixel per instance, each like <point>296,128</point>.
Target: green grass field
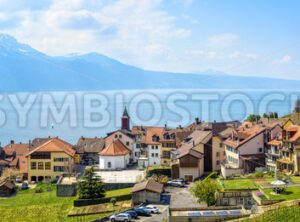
<point>238,184</point>
<point>293,193</point>
<point>30,206</point>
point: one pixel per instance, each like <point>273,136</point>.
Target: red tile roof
<point>55,145</point>
<point>116,148</point>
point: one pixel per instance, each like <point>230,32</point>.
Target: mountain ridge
<point>24,69</point>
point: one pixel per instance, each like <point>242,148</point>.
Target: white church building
<point>115,156</point>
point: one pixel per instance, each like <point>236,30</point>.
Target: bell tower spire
<point>125,120</point>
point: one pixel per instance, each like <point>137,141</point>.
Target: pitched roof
<point>19,149</point>
<point>116,148</point>
<point>244,134</point>
<point>296,136</point>
<point>197,137</point>
<point>149,185</point>
<point>270,121</point>
<point>20,160</point>
<point>36,142</point>
<point>7,184</point>
<point>191,152</point>
<point>55,145</point>
<point>147,133</point>
<point>90,145</point>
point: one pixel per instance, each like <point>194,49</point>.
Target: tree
<point>276,115</point>
<point>91,186</point>
<point>113,201</point>
<point>271,115</point>
<point>265,115</point>
<point>205,191</point>
<point>253,118</point>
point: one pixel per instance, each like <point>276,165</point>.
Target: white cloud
<point>222,40</point>
<point>284,60</point>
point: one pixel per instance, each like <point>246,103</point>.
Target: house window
<point>109,165</point>
<point>221,145</point>
<point>58,168</point>
<point>33,165</point>
<point>60,159</point>
<point>40,165</point>
<point>152,155</point>
<point>156,155</point>
<point>48,166</point>
<point>156,147</point>
<point>120,136</point>
<point>218,154</point>
<point>116,136</point>
<point>127,143</point>
<point>260,150</point>
<point>152,147</point>
<point>218,162</point>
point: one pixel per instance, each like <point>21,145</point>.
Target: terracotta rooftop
<point>295,129</point>
<point>244,134</point>
<point>55,145</point>
<point>116,148</point>
<point>149,185</point>
<point>195,138</point>
<point>148,132</point>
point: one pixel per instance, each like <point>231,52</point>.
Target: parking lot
<point>180,197</point>
<point>163,210</point>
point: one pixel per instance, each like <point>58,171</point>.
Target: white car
<point>120,217</point>
<point>152,209</point>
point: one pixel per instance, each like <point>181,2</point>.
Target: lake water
<point>93,114</point>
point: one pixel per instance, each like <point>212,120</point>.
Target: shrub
<point>258,174</point>
<point>162,171</point>
<point>38,190</point>
<point>113,201</point>
<point>159,178</point>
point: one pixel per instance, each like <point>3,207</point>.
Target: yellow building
<point>50,160</point>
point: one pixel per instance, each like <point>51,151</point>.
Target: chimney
<point>193,143</point>
<point>12,142</point>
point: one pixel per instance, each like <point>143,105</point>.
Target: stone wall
<point>65,190</point>
<point>234,197</point>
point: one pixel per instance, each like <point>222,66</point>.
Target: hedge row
<point>86,202</point>
<point>166,172</point>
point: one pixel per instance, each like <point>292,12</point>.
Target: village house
<point>115,156</point>
<point>289,160</point>
<point>273,152</point>
<point>87,150</point>
<point>50,160</point>
<point>245,149</point>
<point>147,146</point>
<point>147,192</point>
<point>13,156</point>
<point>194,156</point>
<point>170,141</point>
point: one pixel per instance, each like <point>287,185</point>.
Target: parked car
<point>120,217</point>
<point>175,183</point>
<point>132,213</point>
<point>142,212</point>
<point>24,186</point>
<point>152,209</point>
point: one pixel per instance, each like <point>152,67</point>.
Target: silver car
<point>120,217</point>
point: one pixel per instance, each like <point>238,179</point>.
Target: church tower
<point>125,120</point>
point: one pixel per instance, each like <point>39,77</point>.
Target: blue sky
<point>249,37</point>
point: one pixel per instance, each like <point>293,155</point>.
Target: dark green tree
<point>253,118</point>
<point>265,115</point>
<point>276,115</point>
<point>271,115</point>
<point>205,191</point>
<point>91,186</point>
